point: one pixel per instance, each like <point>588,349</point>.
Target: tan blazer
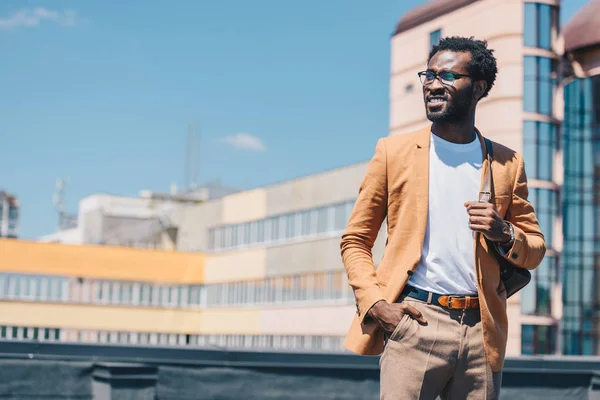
<point>396,186</point>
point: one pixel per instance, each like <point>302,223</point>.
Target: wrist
<point>508,235</point>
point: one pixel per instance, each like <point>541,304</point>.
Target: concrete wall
<point>194,224</point>
<point>274,320</point>
<point>316,190</point>
<point>299,256</point>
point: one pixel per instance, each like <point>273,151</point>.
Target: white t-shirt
<point>447,262</point>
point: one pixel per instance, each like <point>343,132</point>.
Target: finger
<point>478,205</point>
<point>416,314</point>
<point>487,221</point>
<point>479,228</point>
<point>484,212</point>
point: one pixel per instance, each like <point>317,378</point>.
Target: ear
<point>479,89</point>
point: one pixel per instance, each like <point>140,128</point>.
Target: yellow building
<point>51,291</point>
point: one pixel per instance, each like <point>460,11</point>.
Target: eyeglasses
<point>446,77</point>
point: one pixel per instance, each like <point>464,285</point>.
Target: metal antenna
<point>192,157</point>
<point>196,152</point>
<point>59,200</point>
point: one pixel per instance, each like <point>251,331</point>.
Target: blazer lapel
<point>484,160</point>
<point>421,176</point>
<point>478,238</point>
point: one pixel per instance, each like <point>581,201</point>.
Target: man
<point>436,305</point>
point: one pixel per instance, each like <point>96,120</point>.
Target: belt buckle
<point>450,298</point>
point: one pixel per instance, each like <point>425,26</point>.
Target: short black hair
<point>483,63</point>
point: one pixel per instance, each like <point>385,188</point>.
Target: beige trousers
<point>444,357</point>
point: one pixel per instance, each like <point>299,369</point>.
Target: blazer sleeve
<point>359,237</point>
<point>529,245</point>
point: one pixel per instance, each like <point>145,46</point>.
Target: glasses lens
<point>428,77</point>
<point>447,78</point>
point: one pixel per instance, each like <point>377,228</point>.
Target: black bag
<point>514,278</point>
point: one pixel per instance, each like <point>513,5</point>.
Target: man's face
<point>444,102</point>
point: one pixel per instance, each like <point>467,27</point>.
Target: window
<point>245,240</point>
<point>536,297</point>
<point>537,31</point>
<point>234,235</point>
<point>539,81</point>
<point>211,239</point>
<point>289,226</point>
<point>546,209</point>
<point>222,238</point>
<point>340,217</point>
<point>328,219</point>
<point>434,38</point>
<point>581,212</point>
<point>322,220</point>
<point>253,232</point>
<point>539,147</point>
<point>538,339</point>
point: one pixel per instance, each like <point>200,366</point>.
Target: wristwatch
<point>504,247</point>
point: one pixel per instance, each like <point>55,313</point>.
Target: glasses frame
<point>437,76</point>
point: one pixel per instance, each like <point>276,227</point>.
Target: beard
<point>455,109</point>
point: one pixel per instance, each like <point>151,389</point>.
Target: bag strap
<point>487,191</point>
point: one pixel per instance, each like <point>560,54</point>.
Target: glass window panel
<point>545,86</point>
<point>282,223</point>
<point>528,299</point>
<point>434,38</point>
<point>246,238</point>
<point>306,223</point>
<point>223,238</point>
<point>530,148</point>
<point>297,224</point>
<point>234,236</point>
<point>340,217</point>
<point>544,26</point>
<point>527,339</point>
<point>211,239</point>
<point>289,226</point>
<point>253,232</point>
<point>530,25</point>
<point>544,166</point>
<point>228,236</point>
<point>530,84</point>
<point>274,228</point>
<point>322,220</point>
<point>260,232</point>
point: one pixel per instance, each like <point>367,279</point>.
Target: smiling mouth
<point>436,101</point>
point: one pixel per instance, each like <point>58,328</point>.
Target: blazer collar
<point>424,137</point>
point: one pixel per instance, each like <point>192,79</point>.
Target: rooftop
<point>582,30</point>
<point>65,370</point>
<point>427,12</point>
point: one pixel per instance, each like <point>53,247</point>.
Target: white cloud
<point>245,141</point>
<point>32,17</point>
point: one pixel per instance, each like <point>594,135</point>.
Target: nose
<point>436,84</point>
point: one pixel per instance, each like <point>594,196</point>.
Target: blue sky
<point>102,92</point>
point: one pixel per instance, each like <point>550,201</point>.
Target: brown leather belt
<point>447,301</point>
<point>458,303</point>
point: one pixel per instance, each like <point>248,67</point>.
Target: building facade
<point>581,201</point>
<point>521,112</point>
<point>9,215</point>
<point>290,232</point>
<point>271,274</point>
<point>150,221</point>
